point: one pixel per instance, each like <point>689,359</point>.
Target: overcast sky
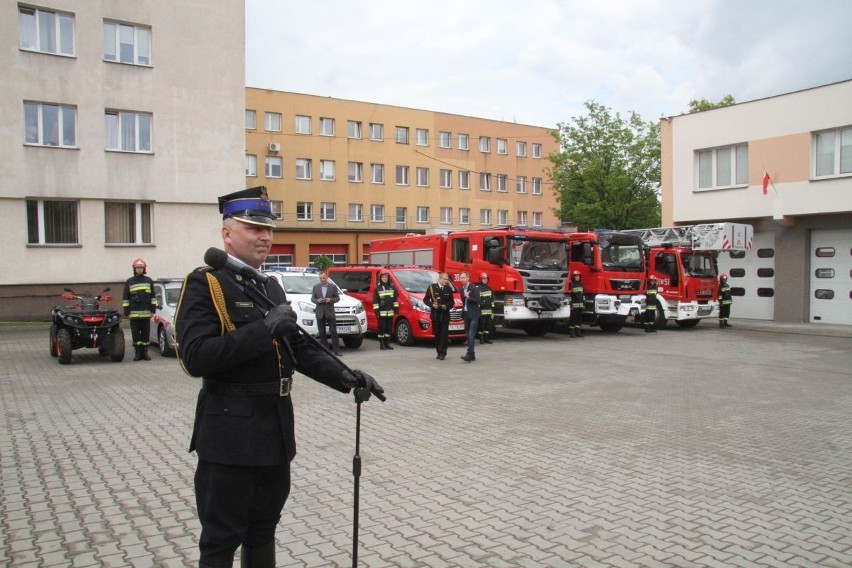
<point>537,61</point>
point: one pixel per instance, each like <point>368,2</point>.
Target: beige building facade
<point>343,172</point>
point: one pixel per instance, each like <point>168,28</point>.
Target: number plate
<point>545,315</point>
<point>456,327</point>
<point>346,329</point>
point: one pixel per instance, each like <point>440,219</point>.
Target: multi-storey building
<point>713,166</point>
<point>120,124</point>
<point>342,172</point>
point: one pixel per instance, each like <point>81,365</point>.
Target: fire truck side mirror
<point>493,251</point>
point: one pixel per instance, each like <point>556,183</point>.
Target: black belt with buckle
<point>277,388</point>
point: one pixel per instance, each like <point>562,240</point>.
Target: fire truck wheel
<point>353,341</point>
<point>611,326</point>
<point>403,333</point>
<point>116,345</point>
<point>63,346</point>
<point>53,352</point>
<point>660,320</point>
<point>688,323</point>
<point>538,328</point>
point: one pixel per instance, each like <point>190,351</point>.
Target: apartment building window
<point>536,150</point>
<point>303,168</point>
<point>521,184</point>
<point>484,181</point>
<point>485,217</point>
<point>502,182</point>
<point>536,186</point>
<point>401,215</point>
<point>422,137</point>
<point>423,177</point>
<point>46,31</point>
<point>356,212</point>
<point>251,165</point>
<point>126,43</point>
<point>52,222</point>
<point>422,214</point>
<point>464,142</point>
<point>328,211</point>
<point>277,208</point>
<point>464,216</point>
<point>446,215</point>
<point>326,126</point>
<point>464,179</point>
<point>833,152</point>
<point>303,124</point>
<point>127,223</point>
<point>251,119</point>
<point>444,139</point>
<point>502,216</point>
<point>50,125</point>
<point>484,144</point>
<point>402,135</point>
<point>304,211</point>
<point>377,173</point>
<point>536,219</point>
<point>522,218</point>
<point>128,131</point>
<point>272,121</point>
<point>272,167</point>
<point>723,167</point>
<point>377,213</point>
<point>327,170</point>
<point>446,178</point>
<point>353,129</point>
<point>521,149</point>
<point>502,146</point>
<point>402,175</point>
<point>356,171</point>
<point>377,131</point>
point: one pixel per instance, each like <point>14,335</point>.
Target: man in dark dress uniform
<point>246,349</point>
<point>439,297</point>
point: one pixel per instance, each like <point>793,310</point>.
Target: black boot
<point>261,557</point>
<point>138,355</point>
<point>145,355</point>
<point>486,339</point>
<point>387,343</point>
<point>382,343</point>
<point>578,332</point>
<point>571,332</point>
<point>721,323</point>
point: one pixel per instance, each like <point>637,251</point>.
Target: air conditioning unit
<point>274,147</point>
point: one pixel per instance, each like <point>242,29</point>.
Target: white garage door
<point>831,276</point>
<point>752,278</point>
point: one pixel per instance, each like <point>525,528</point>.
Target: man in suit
<point>439,297</point>
<point>470,298</point>
<point>325,295</point>
<point>243,340</point>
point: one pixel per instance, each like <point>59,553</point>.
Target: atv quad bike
<point>86,324</point>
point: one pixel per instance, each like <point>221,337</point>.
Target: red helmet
<point>140,262</point>
<point>575,273</point>
<point>723,277</point>
<point>383,272</point>
<point>483,276</point>
<point>652,277</point>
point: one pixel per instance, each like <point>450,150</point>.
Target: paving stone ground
<point>700,447</point>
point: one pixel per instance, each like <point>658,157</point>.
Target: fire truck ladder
<point>712,236</point>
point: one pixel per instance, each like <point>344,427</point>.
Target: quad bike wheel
<point>116,345</point>
<point>53,352</point>
<point>63,346</point>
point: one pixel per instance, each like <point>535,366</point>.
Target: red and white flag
<point>766,182</point>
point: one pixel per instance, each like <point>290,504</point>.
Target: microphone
<point>219,259</point>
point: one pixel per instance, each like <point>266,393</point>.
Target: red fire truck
<point>526,269</point>
<point>612,270</point>
<point>683,259</point>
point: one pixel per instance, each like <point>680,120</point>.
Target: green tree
<point>704,104</point>
<point>607,173</point>
<point>322,262</point>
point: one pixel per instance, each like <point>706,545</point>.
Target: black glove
<point>364,385</point>
<point>281,321</point>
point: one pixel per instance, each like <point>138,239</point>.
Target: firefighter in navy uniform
<point>725,301</point>
<point>486,310</point>
<point>246,352</point>
<point>386,306</point>
<point>139,305</point>
<point>650,315</point>
<point>578,300</point>
<point>440,297</point>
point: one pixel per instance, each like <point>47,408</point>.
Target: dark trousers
<point>385,327</point>
<point>649,316</point>
<point>470,327</point>
<point>441,329</point>
<point>724,312</point>
<point>332,326</point>
<point>140,330</point>
<point>238,505</point>
<point>576,317</point>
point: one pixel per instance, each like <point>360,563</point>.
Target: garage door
<point>752,278</point>
<point>831,276</point>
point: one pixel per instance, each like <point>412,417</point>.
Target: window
<point>422,214</point>
<point>444,139</point>
<point>327,170</point>
<point>353,129</point>
<point>484,181</point>
<point>446,215</point>
<point>446,178</point>
<point>485,217</point>
<point>502,216</point>
<point>464,179</point>
<point>536,186</point>
<point>522,218</point>
<point>377,213</point>
<point>338,259</point>
<point>521,184</point>
<point>272,167</point>
<point>402,135</point>
<point>304,211</point>
<point>423,177</point>
<point>50,125</point>
<point>356,212</point>
<point>833,152</point>
<point>422,137</point>
<point>723,167</point>
<point>251,119</point>
<point>303,168</point>
<point>536,150</point>
<point>401,215</point>
<point>251,165</point>
<point>402,175</point>
<point>536,218</point>
<point>521,149</point>
<point>464,142</point>
<point>356,172</point>
<point>377,173</point>
<point>464,216</point>
<point>277,209</point>
<point>502,146</point>
<point>128,131</point>
<point>48,32</point>
<point>327,211</point>
<point>326,126</point>
<point>127,43</point>
<point>52,222</point>
<point>127,223</point>
<point>484,144</point>
<point>303,124</point>
<point>502,182</point>
<point>272,121</point>
<point>377,131</point>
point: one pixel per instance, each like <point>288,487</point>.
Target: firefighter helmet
<point>723,277</point>
<point>383,272</point>
<point>575,273</point>
<point>652,278</point>
<point>483,276</point>
<point>140,262</point>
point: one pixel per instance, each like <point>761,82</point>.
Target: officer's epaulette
<point>204,268</point>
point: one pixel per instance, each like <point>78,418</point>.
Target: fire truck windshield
<point>621,257</point>
<point>697,264</point>
<point>538,255</point>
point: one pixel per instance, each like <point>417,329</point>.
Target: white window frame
<point>269,165</point>
<point>353,129</point>
<point>521,184</point>
<point>60,40</point>
<point>304,168</point>
<point>536,219</point>
<point>138,42</point>
<point>402,135</point>
<point>41,233</point>
<point>251,119</point>
<point>837,158</point>
<point>422,176</point>
<point>356,212</point>
<point>502,217</point>
<point>502,183</point>
<point>304,211</point>
<point>463,141</point>
<point>421,137</point>
<point>35,125</point>
<point>377,131</point>
<point>402,175</point>
<point>522,218</point>
<point>120,124</point>
<point>536,185</point>
<point>536,151</point>
<point>272,121</point>
<point>132,219</point>
<point>327,170</point>
<point>302,124</point>
<point>328,211</point>
<point>377,173</point>
<point>709,162</point>
<point>521,149</point>
<point>251,165</point>
<point>446,216</point>
<point>326,126</point>
<point>485,217</point>
<point>277,208</point>
<point>502,146</point>
<point>464,216</point>
<point>445,139</point>
<point>485,144</point>
<point>377,213</point>
<point>464,179</point>
<point>355,173</point>
<point>401,217</point>
<point>484,181</point>
<point>446,178</point>
<point>422,214</point>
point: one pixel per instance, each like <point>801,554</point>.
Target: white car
<point>167,291</point>
<point>298,283</point>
